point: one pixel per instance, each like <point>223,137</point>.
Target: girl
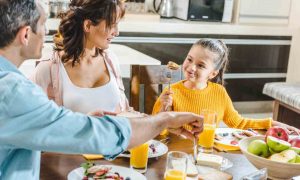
<point>202,88</point>
<point>83,74</point>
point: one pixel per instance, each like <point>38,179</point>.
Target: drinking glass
<point>206,138</point>
<point>139,157</point>
<point>176,165</point>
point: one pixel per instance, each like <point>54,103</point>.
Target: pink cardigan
<point>46,75</point>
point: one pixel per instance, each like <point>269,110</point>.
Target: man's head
<point>22,26</point>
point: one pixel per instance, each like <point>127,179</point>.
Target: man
<point>30,123</point>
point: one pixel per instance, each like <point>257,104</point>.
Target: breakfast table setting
<point>217,154</point>
<point>59,166</point>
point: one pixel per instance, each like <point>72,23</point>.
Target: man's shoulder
<point>17,89</point>
<point>8,82</point>
<point>10,78</point>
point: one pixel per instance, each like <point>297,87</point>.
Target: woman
<point>83,74</point>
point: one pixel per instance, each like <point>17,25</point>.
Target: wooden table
<point>57,166</point>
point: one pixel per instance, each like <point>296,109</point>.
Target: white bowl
<point>276,170</point>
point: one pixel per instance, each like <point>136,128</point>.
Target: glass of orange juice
<point>139,157</point>
<point>206,138</point>
<point>176,165</point>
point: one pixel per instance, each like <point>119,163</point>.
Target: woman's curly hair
<point>70,35</point>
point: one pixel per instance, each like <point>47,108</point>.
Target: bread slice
<point>215,175</point>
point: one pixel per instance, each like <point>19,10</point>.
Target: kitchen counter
<point>176,26</point>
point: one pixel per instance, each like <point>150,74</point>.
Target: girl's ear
<point>87,25</point>
<point>213,74</point>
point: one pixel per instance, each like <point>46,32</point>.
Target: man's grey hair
<point>15,14</point>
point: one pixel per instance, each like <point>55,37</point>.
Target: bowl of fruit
<point>276,151</point>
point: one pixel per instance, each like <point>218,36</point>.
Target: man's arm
<point>148,127</point>
<point>29,120</point>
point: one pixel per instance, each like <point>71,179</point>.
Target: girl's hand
<point>289,129</point>
<point>101,113</point>
<point>166,100</point>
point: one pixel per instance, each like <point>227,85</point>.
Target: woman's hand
<point>166,100</point>
<point>288,128</point>
<point>101,113</point>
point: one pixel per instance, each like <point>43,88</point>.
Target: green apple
<point>297,159</point>
<point>284,156</point>
<point>272,151</point>
<point>296,149</point>
<point>259,147</point>
<point>277,145</point>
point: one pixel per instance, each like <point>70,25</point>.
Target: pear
<point>284,156</point>
<point>277,145</point>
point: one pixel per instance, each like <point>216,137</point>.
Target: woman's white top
<point>84,100</point>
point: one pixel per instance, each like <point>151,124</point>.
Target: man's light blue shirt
<point>30,123</point>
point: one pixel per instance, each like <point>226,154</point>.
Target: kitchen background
<point>263,37</point>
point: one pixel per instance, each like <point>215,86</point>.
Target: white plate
<point>226,140</point>
<point>160,148</point>
<point>78,173</point>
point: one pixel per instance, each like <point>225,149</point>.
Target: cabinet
<point>264,11</point>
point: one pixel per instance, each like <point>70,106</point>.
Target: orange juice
<point>173,174</point>
<point>206,138</point>
<point>139,156</point>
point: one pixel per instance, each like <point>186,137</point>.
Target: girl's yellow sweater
<point>213,97</point>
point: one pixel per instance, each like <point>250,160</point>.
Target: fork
<point>194,163</point>
<point>195,150</point>
<point>165,140</point>
<point>169,77</point>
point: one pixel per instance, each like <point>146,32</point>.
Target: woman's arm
<point>42,77</point>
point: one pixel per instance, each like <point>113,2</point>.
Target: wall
<point>293,74</point>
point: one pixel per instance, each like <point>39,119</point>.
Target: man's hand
<point>175,121</point>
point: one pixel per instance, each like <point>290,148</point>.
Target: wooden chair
<point>147,83</point>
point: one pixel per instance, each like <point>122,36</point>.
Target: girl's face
<point>198,67</point>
